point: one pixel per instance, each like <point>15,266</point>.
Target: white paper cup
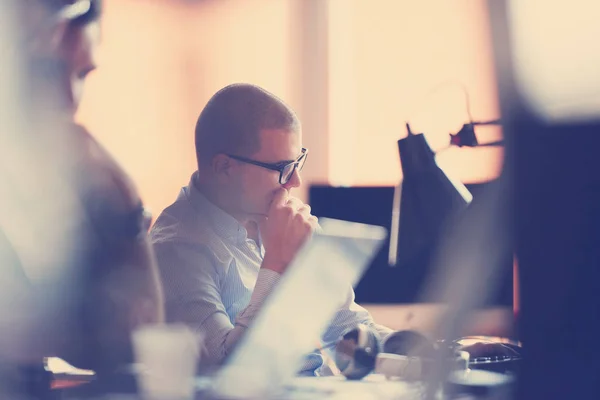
<point>167,357</point>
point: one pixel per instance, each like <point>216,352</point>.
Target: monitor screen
<point>382,283</point>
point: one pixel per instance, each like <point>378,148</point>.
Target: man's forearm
<point>266,281</point>
<point>221,337</point>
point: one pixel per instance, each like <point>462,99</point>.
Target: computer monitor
<point>382,283</point>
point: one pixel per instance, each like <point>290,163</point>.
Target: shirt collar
<point>223,224</point>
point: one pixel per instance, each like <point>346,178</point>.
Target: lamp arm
<point>491,122</point>
<point>491,144</point>
<point>466,137</point>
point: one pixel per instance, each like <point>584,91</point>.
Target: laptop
<point>298,312</point>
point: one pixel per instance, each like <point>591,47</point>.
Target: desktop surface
<point>303,388</point>
<point>372,387</point>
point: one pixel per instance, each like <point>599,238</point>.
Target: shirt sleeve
<point>192,287</point>
<point>348,316</point>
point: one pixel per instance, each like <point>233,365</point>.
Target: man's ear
<point>221,166</point>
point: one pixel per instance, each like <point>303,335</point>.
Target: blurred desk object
<point>65,375</point>
<point>493,321</point>
<point>372,387</point>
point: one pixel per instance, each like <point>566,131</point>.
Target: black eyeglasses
<point>286,169</point>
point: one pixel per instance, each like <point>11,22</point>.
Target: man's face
<point>58,62</point>
<point>258,185</point>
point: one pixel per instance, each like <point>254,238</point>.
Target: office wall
<point>161,60</point>
<point>353,70</point>
<point>137,102</point>
<point>397,61</point>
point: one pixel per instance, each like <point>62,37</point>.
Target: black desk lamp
<point>423,202</point>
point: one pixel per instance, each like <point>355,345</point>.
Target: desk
<point>372,387</point>
<point>424,317</point>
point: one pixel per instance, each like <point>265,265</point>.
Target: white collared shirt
<point>213,281</point>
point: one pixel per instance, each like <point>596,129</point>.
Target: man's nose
<point>295,181</point>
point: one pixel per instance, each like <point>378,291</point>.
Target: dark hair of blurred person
<point>82,273</point>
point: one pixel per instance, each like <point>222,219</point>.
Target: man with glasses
<point>235,228</point>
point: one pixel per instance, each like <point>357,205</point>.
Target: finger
<point>310,219</point>
<point>298,205</point>
<point>295,203</point>
<point>304,210</point>
<point>314,221</point>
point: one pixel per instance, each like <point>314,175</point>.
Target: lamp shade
<point>424,201</point>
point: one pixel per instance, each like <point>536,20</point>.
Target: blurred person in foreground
<point>235,228</point>
<point>77,272</point>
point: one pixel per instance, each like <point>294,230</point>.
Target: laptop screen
<point>299,309</point>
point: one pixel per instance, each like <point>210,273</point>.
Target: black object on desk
<point>121,383</point>
<point>382,284</point>
<point>30,381</point>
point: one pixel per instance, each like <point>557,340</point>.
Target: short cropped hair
<point>233,118</point>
